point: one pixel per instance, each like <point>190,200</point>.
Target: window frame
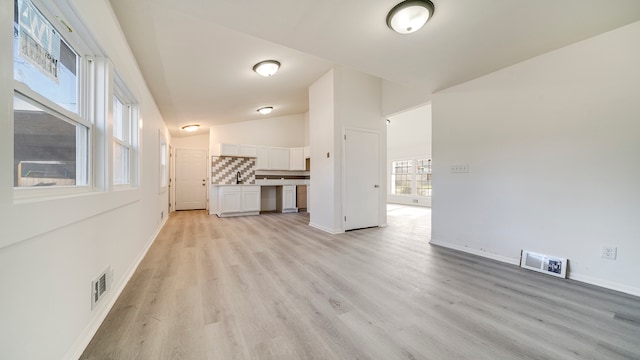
<point>413,175</point>
<point>131,117</point>
<point>163,162</point>
<point>83,116</point>
<point>408,174</point>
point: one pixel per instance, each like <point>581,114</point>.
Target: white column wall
<point>341,99</point>
<point>323,156</point>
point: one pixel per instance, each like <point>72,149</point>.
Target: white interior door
<point>362,179</point>
<point>191,179</point>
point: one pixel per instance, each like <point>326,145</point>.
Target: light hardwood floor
<point>271,287</point>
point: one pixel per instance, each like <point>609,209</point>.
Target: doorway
<point>191,179</point>
<point>362,179</point>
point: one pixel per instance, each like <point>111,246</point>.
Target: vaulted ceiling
<point>197,56</point>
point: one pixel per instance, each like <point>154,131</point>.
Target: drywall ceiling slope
<point>196,55</point>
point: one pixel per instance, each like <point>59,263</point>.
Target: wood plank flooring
<point>271,287</point>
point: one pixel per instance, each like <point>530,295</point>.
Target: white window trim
<point>413,173</point>
<point>163,168</point>
<point>83,115</point>
<point>122,93</point>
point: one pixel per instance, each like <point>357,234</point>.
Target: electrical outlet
<point>459,169</point>
<point>609,252</point>
<point>161,214</point>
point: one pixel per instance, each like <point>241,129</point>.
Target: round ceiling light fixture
<point>267,67</point>
<point>265,110</point>
<point>191,127</point>
<point>409,16</point>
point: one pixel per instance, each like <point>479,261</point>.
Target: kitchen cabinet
<point>236,200</point>
<point>229,150</point>
<point>248,150</point>
<point>278,158</point>
<point>296,159</point>
<point>286,199</point>
<point>251,198</point>
<point>262,154</point>
<point>236,150</point>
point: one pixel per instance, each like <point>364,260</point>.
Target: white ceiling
<point>197,55</point>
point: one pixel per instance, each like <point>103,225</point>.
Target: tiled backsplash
<point>225,168</point>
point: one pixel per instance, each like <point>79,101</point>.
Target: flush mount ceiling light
<point>267,67</point>
<point>265,110</point>
<point>191,128</point>
<point>409,16</point>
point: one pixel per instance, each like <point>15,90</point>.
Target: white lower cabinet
<point>286,199</point>
<point>251,198</point>
<point>236,200</point>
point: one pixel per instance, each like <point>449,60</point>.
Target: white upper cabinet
<point>278,158</point>
<point>248,150</point>
<point>296,159</point>
<point>267,157</point>
<point>262,161</point>
<point>229,149</point>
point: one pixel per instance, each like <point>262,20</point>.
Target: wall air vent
<point>100,286</point>
<point>550,265</point>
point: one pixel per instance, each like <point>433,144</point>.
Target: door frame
<point>172,175</point>
<point>381,167</point>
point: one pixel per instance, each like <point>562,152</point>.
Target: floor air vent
<point>550,265</point>
<point>100,286</point>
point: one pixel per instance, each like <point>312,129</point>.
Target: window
<point>51,137</point>
<point>411,177</point>
<point>423,177</point>
<point>402,177</point>
<point>163,163</point>
<point>125,135</point>
<point>121,143</point>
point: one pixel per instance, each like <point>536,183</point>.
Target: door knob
<point>376,186</point>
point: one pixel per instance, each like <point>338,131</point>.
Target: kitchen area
<point>254,179</point>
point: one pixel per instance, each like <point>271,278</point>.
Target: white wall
<point>53,248</point>
<point>552,147</point>
<point>398,98</point>
<point>341,99</point>
<point>285,131</point>
<point>409,137</point>
<point>191,142</point>
<point>323,167</point>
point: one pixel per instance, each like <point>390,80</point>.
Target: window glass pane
<point>46,148</point>
<point>120,164</point>
<point>401,177</point>
<point>423,177</point>
<point>163,163</point>
<point>42,60</point>
<point>119,128</point>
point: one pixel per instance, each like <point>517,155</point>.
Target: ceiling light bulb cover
<point>265,110</point>
<point>409,16</point>
<point>267,67</point>
<point>191,128</point>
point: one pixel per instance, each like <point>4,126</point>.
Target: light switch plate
<point>459,169</point>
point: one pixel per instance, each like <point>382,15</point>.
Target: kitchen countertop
<point>271,183</point>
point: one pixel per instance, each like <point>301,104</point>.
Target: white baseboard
<point>326,229</point>
<point>484,254</point>
<point>90,330</point>
<point>516,261</point>
<point>604,284</point>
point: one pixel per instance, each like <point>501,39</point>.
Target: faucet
<point>238,177</point>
